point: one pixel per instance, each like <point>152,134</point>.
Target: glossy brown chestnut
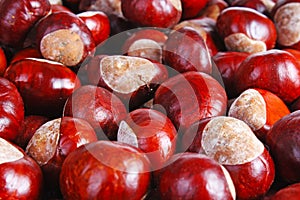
<point>189,97</point>
<point>29,52</point>
<point>291,192</point>
<point>191,8</point>
<point>20,176</point>
<point>44,85</point>
<point>133,79</point>
<point>186,50</point>
<point>98,23</point>
<point>238,27</point>
<point>228,62</point>
<point>266,108</point>
<point>152,13</point>
<point>54,141</point>
<point>11,110</point>
<point>194,176</point>
<point>18,17</point>
<point>64,37</point>
<point>101,108</point>
<point>152,132</point>
<point>30,124</point>
<point>283,141</point>
<point>262,6</point>
<point>233,144</point>
<point>105,170</point>
<point>275,70</point>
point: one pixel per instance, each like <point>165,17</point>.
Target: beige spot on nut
<point>230,141</point>
<point>146,48</point>
<point>125,74</point>
<point>43,143</point>
<point>251,108</point>
<point>126,134</point>
<point>287,21</point>
<point>9,153</point>
<point>242,43</point>
<point>176,4</point>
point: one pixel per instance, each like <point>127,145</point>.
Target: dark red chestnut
<point>30,124</point>
<point>262,6</point>
<point>133,79</point>
<point>11,110</point>
<point>54,141</point>
<point>238,27</point>
<point>189,97</point>
<point>233,144</point>
<point>98,23</point>
<point>153,13</point>
<point>283,141</point>
<point>194,176</point>
<point>286,19</point>
<point>275,70</point>
<point>101,108</point>
<point>44,85</point>
<point>109,7</point>
<point>59,8</point>
<point>29,52</point>
<point>186,50</point>
<point>64,37</point>
<point>228,62</point>
<point>290,192</point>
<point>3,62</point>
<point>260,109</point>
<point>17,18</point>
<point>191,8</point>
<point>105,170</point>
<point>152,132</point>
<point>20,176</point>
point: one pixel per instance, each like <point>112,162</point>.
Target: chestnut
<point>283,141</point>
<point>101,108</point>
<point>20,176</point>
<point>109,7</point>
<point>65,38</point>
<point>286,19</point>
<point>227,63</point>
<point>3,62</point>
<point>238,27</point>
<point>28,52</point>
<point>17,18</point>
<point>291,192</point>
<point>262,6</point>
<point>11,110</point>
<point>29,126</point>
<point>260,109</point>
<point>233,144</point>
<point>152,13</point>
<point>213,9</point>
<point>133,79</point>
<point>191,8</point>
<point>186,50</point>
<point>98,23</point>
<point>275,70</point>
<point>194,176</point>
<point>189,97</point>
<point>53,141</point>
<point>105,170</point>
<point>44,85</point>
<point>152,132</point>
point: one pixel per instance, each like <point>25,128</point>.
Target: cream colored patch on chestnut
<point>64,46</point>
<point>9,153</point>
<point>193,25</point>
<point>176,4</point>
<point>126,134</point>
<point>230,141</point>
<point>43,143</point>
<point>146,48</point>
<point>269,4</point>
<point>88,13</point>
<point>125,74</point>
<point>251,108</point>
<point>55,2</point>
<point>287,21</point>
<point>241,42</point>
<point>230,182</point>
<point>51,62</point>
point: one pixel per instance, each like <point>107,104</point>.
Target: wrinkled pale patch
<point>126,134</point>
<point>230,141</point>
<point>9,153</point>
<point>251,108</point>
